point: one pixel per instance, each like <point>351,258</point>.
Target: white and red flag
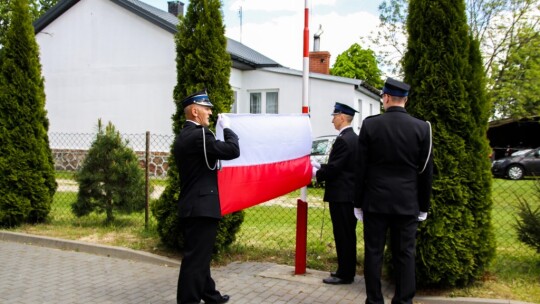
<point>274,159</point>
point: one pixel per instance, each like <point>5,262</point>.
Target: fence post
<point>146,186</point>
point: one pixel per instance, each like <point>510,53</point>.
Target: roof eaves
<point>52,14</point>
<point>371,89</point>
<point>505,121</point>
<point>171,28</point>
<point>242,60</point>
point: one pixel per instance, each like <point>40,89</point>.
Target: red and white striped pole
<point>302,206</point>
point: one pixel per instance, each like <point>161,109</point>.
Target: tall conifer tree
<point>443,65</point>
<point>27,182</point>
<point>202,62</point>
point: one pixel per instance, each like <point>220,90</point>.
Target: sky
<point>275,28</point>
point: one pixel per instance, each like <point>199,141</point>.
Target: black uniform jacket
<point>392,151</point>
<point>339,173</point>
<point>198,184</point>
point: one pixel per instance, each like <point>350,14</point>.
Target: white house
<point>115,60</point>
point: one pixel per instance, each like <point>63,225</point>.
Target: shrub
<point>528,224</point>
<point>110,177</point>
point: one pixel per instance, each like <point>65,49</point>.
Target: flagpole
<point>302,206</point>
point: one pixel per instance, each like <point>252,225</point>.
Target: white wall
<point>323,94</point>
<point>101,61</point>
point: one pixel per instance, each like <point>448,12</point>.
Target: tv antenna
<point>240,16</point>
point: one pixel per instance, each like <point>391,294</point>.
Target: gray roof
<point>359,84</point>
<point>243,57</point>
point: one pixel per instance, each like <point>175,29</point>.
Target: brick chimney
<point>319,62</point>
<point>176,8</point>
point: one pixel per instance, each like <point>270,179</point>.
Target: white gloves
<point>224,121</point>
<point>315,167</point>
<point>358,214</point>
<point>314,172</point>
<point>422,216</point>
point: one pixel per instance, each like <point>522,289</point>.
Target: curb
<point>443,300</point>
<point>103,250</point>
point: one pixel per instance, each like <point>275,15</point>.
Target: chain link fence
<point>269,229</point>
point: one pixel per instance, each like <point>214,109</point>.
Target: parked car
<point>320,148</point>
<point>521,163</point>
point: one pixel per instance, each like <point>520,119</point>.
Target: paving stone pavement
<point>35,274</point>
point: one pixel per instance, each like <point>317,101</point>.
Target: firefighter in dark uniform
<point>197,153</point>
<point>393,189</point>
<point>338,175</point>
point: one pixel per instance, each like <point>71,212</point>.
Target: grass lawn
<point>269,234</point>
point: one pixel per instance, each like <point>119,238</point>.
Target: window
<point>255,103</point>
<point>234,106</point>
<point>265,102</point>
<point>271,102</point>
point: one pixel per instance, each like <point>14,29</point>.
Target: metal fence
<point>270,228</point>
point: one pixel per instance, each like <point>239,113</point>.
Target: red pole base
<point>301,237</point>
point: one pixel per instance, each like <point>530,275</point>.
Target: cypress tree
<point>202,62</point>
<point>27,182</point>
<point>443,65</point>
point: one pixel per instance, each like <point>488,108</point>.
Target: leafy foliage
<point>528,224</point>
<point>110,178</point>
<point>443,65</point>
<point>202,62</point>
<point>502,28</point>
<point>36,8</point>
<point>359,64</point>
<point>515,79</point>
<point>27,182</point>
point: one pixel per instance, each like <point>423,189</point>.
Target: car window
<point>521,152</point>
<point>320,147</point>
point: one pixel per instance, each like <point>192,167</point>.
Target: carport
<point>509,135</point>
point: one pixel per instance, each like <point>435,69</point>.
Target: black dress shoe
<point>223,299</point>
<point>336,281</point>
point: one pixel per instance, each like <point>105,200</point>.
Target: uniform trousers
<point>195,282</point>
<point>402,243</point>
<point>344,228</point>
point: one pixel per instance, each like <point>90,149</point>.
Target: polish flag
<point>274,159</point>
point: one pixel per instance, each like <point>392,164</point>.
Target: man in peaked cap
<point>200,98</point>
<point>197,153</point>
<point>338,175</point>
<point>393,188</point>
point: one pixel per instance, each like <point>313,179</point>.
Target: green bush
<point>528,224</point>
<point>110,178</point>
<point>169,224</point>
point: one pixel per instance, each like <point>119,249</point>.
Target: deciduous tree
<point>500,26</point>
<point>360,64</point>
<point>515,80</point>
